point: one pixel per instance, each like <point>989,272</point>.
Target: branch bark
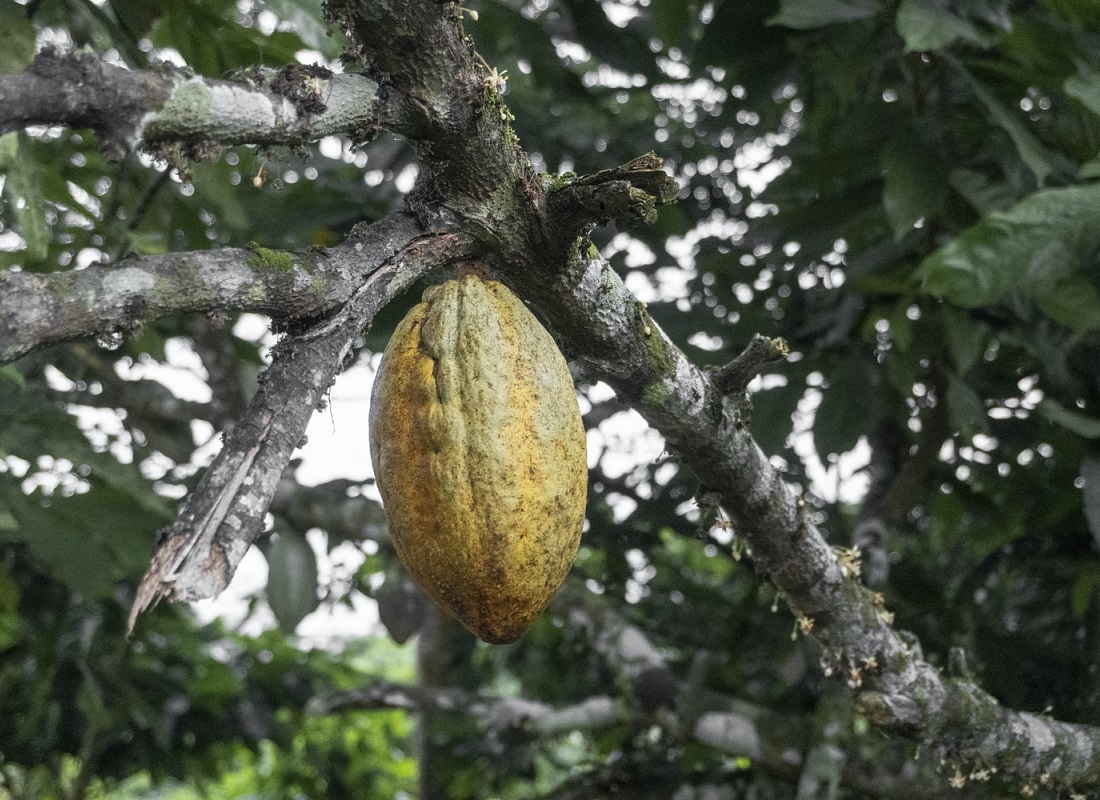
<point>197,555</point>
<point>128,108</point>
<point>41,309</point>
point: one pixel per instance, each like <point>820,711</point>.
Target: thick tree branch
<point>445,102</point>
<point>128,108</point>
<point>197,555</point>
<point>603,326</point>
<point>41,309</point>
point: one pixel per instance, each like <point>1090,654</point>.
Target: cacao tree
<point>826,278</point>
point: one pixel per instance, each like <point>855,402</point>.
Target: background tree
<point>904,192</point>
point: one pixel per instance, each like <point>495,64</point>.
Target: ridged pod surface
<point>479,453</point>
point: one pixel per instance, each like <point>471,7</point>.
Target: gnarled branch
<point>130,108</point>
<point>197,555</point>
<point>41,309</point>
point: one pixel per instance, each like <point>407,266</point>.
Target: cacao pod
<point>479,453</point>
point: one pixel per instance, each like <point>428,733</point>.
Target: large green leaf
<point>1074,302</point>
<point>308,20</point>
<point>1030,248</point>
<point>23,189</point>
<point>982,191</point>
<point>89,540</point>
<point>925,26</point>
<point>16,39</point>
<point>1081,424</point>
<point>1032,152</point>
<point>915,185</point>
<point>1085,88</point>
<point>966,338</point>
<point>205,35</point>
<point>850,401</point>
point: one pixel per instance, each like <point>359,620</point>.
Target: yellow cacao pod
<point>479,453</point>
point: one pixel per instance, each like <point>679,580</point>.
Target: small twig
<point>761,351</point>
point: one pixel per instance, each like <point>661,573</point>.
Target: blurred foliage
<point>905,191</point>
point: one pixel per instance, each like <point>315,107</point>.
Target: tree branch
<point>130,108</point>
<point>777,743</point>
<point>599,323</point>
<point>737,374</point>
<point>41,309</point>
<point>197,555</point>
<point>329,507</point>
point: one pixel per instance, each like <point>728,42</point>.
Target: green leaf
<point>1084,588</point>
<point>808,14</point>
<point>965,408</point>
<point>1030,248</point>
<point>901,327</point>
<point>671,19</point>
<point>203,33</point>
<point>88,540</point>
<point>9,150</point>
<point>308,21</point>
<point>1090,474</point>
<point>1037,158</point>
<point>10,374</point>
<point>966,338</point>
<point>983,193</point>
<point>915,185</point>
<point>1075,421</point>
<point>9,606</point>
<point>772,414</point>
<point>990,530</point>
<point>1085,88</point>
<point>16,39</point>
<point>291,579</point>
<point>23,188</point>
<point>1089,171</point>
<point>849,404</point>
<point>924,26</point>
<point>1074,302</point>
